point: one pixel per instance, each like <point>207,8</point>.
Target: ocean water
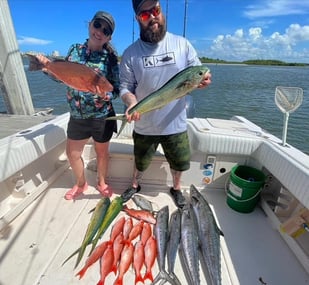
<point>243,90</point>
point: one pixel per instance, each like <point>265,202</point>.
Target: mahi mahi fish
<point>113,210</point>
<point>178,86</point>
<point>93,226</point>
<point>209,237</point>
<point>72,74</point>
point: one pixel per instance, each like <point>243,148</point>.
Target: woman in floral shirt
<point>87,110</point>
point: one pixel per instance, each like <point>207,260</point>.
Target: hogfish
<point>72,74</point>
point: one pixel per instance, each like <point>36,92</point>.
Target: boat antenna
<point>133,31</point>
<point>185,18</point>
<point>166,13</point>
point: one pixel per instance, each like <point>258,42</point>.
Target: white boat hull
<point>40,229</point>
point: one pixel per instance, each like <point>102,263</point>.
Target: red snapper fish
<point>72,74</point>
<point>138,261</point>
<point>143,215</point>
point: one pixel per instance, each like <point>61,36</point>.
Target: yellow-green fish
<point>113,210</point>
<point>93,226</point>
<point>178,86</point>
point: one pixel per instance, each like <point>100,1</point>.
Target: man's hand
<point>130,100</point>
<point>135,116</point>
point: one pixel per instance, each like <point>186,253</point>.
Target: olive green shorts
<point>176,149</point>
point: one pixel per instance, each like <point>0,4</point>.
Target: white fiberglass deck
<point>36,243</point>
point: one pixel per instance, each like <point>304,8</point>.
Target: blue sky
<point>224,29</point>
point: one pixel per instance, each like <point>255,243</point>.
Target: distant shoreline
<point>263,62</point>
<point>211,61</point>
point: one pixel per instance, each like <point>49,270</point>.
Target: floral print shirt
<point>85,105</point>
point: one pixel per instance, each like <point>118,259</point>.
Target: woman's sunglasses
<point>145,15</point>
<point>97,25</point>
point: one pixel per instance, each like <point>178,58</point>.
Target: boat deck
<point>34,246</point>
<point>12,124</point>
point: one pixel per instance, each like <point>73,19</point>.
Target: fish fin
<point>121,118</point>
<point>91,210</point>
<point>75,252</point>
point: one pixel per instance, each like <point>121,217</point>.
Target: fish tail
<point>114,269</point>
<point>81,273</point>
<point>121,118</point>
<point>163,275</point>
<point>175,278</point>
<point>149,276</point>
<point>100,282</point>
<point>118,281</point>
<point>93,245</point>
<point>80,255</point>
<point>75,252</point>
<point>139,278</point>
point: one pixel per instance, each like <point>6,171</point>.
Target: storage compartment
<point>289,216</point>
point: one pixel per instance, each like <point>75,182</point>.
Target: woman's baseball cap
<point>106,17</point>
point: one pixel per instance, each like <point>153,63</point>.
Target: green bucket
<point>244,187</point>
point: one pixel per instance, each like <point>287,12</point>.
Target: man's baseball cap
<point>137,4</point>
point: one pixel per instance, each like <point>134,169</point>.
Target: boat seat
<point>21,149</point>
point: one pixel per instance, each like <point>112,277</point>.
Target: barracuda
<point>178,86</point>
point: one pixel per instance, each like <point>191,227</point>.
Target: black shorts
<point>99,129</point>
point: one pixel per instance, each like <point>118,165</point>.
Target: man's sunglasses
<point>97,25</point>
<point>145,15</point>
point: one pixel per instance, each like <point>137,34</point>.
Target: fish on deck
<point>72,74</point>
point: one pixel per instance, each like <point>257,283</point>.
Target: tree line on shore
<point>253,62</point>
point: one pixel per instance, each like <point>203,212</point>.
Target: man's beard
<point>147,35</point>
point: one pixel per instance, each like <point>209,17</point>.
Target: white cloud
<point>252,44</point>
<point>32,41</point>
<point>271,8</point>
